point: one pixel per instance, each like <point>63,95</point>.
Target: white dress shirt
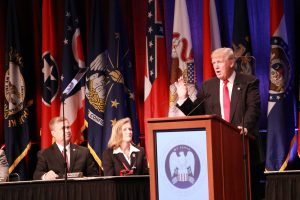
<point>61,148</point>
<point>131,149</point>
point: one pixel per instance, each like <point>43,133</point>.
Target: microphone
<point>201,102</point>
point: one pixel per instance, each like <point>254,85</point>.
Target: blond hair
<point>116,133</point>
<point>226,53</point>
<point>54,121</point>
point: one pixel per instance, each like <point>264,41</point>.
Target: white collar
<point>131,149</point>
<point>61,148</point>
<point>232,77</point>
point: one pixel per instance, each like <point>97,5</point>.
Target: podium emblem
<point>182,166</point>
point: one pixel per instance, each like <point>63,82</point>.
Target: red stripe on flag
<point>208,71</point>
<point>77,127</point>
<point>276,13</point>
<point>78,49</point>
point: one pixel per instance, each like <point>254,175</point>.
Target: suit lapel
<point>59,157</point>
<point>216,95</point>
<point>235,96</point>
<point>123,160</point>
<point>73,155</point>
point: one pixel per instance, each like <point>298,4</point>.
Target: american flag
<point>72,63</point>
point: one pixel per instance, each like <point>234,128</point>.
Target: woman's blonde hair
<point>116,133</point>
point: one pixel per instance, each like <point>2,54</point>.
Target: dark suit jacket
<point>245,100</point>
<point>51,159</point>
<point>113,163</point>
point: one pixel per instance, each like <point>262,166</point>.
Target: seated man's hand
<point>181,89</point>
<point>51,175</point>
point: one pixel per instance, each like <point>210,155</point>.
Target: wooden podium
<point>224,157</point>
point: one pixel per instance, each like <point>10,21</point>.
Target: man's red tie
<point>66,158</point>
<point>226,101</point>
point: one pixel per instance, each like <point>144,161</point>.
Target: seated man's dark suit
<point>52,159</point>
<point>114,163</point>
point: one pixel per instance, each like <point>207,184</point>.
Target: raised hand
<point>181,88</point>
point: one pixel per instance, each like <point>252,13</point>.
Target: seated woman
<point>122,157</point>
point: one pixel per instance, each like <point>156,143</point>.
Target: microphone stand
<point>70,87</point>
<point>245,159</point>
<point>65,150</point>
<point>201,102</point>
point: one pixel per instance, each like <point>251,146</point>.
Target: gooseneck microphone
<point>200,103</point>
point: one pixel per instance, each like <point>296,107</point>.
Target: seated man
<point>51,161</point>
<point>3,166</point>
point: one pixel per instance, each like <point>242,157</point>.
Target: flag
<point>95,85</point>
<point>281,138</point>
<point>211,36</point>
<point>72,63</point>
<point>156,98</point>
<point>241,43</point>
<point>51,82</point>
<point>119,88</point>
<point>16,103</point>
<point>298,149</point>
<point>182,56</point>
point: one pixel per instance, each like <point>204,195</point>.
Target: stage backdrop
<point>43,29</point>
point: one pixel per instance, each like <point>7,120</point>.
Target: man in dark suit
<point>243,91</point>
<point>51,161</point>
<point>232,96</point>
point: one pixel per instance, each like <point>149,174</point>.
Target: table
<point>107,188</point>
<point>283,185</point>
